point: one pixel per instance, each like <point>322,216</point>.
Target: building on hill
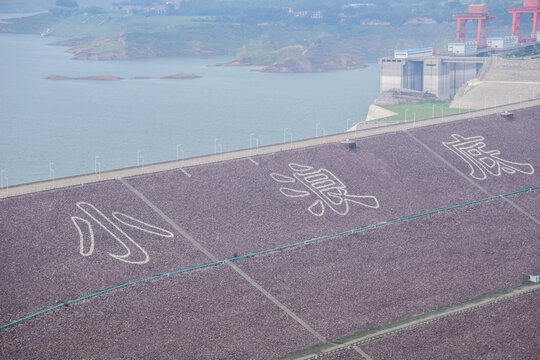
<point>149,7</point>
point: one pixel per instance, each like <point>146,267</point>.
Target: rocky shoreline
<point>403,96</point>
<point>297,59</point>
<point>297,65</point>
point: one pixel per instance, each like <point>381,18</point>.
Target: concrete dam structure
<point>441,76</point>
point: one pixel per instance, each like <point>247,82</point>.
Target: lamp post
<point>97,167</point>
<point>220,151</point>
<point>138,157</point>
<point>290,135</point>
<point>2,178</point>
<point>215,145</point>
<point>250,140</point>
<point>406,114</point>
<point>433,110</point>
<point>51,171</point>
<point>285,135</point>
<point>142,162</point>
<point>178,151</point>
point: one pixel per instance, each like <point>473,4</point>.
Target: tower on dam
<point>481,15</point>
<point>529,7</point>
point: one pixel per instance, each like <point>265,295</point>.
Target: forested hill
<point>393,11</point>
<point>282,35</point>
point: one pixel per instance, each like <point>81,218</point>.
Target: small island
<point>94,77</point>
<point>179,76</point>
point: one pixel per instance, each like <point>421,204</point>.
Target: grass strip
<point>419,111</point>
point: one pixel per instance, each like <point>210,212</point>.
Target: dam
<point>441,76</point>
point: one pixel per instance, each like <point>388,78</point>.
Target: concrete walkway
<point>359,131</point>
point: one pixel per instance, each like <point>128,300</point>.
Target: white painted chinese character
<point>483,162</point>
<point>330,191</point>
<point>86,233</point>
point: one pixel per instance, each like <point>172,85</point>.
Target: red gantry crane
<point>529,7</point>
<point>479,13</point>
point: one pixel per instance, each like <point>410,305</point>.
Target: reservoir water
<point>64,128</point>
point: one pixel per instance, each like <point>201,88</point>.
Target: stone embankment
<point>503,81</point>
<point>401,96</point>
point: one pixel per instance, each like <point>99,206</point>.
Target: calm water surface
<point>69,126</point>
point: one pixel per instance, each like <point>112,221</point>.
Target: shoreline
<point>179,76</point>
<point>356,132</point>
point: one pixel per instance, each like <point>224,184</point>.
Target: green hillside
<point>285,35</point>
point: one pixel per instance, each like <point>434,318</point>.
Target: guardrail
<point>368,129</point>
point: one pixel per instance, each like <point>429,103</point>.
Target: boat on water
<point>46,33</point>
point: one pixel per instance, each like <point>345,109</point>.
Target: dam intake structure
<point>441,76</point>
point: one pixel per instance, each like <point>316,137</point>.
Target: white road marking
<point>185,172</point>
<point>362,352</point>
<point>253,161</point>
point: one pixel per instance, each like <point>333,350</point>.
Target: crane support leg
<point>461,30</point>
<point>516,25</point>
<point>535,26</point>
